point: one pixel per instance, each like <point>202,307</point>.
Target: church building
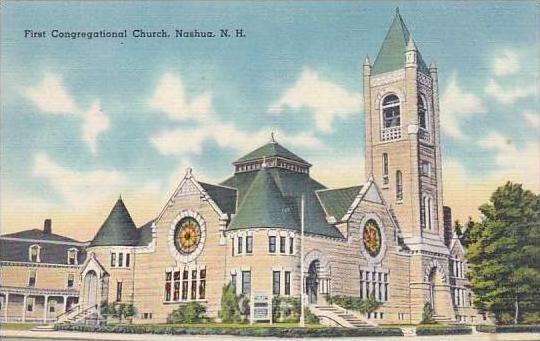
<point>388,238</point>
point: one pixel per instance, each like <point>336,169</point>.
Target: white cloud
<point>339,169</point>
<point>78,188</point>
<point>94,123</point>
<point>508,95</point>
<point>170,98</point>
<point>520,164</point>
<point>183,141</point>
<point>506,64</point>
<point>328,100</point>
<point>50,96</point>
<point>532,118</point>
<point>457,105</point>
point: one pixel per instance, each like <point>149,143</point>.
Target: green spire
<point>391,56</point>
<point>263,206</point>
<point>118,229</point>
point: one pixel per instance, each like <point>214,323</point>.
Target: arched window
<point>422,113</point>
<point>33,253</point>
<point>399,186</point>
<point>427,203</point>
<point>385,168</point>
<point>390,109</point>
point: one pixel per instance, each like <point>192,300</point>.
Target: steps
<point>77,314</point>
<point>333,314</point>
<point>43,328</point>
<point>442,319</point>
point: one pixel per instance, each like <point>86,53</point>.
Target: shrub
<point>443,330</point>
<point>531,318</point>
<point>230,310</point>
<point>191,312</point>
<point>285,309</point>
<point>427,314</point>
<point>516,328</point>
<point>252,332</point>
<point>355,303</point>
<point>309,317</point>
<point>119,311</point>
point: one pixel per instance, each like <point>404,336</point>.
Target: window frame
<point>246,289</point>
<point>287,282</point>
<point>272,241</point>
<point>38,253</point>
<point>72,251</point>
<point>399,186</point>
<point>276,283</point>
<point>34,277</point>
<point>394,117</point>
<point>249,244</point>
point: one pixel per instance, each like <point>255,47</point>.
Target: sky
<point>86,120</point>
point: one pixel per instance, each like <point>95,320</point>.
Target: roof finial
<point>120,197</point>
<point>366,61</point>
<point>397,10</point>
<point>272,138</point>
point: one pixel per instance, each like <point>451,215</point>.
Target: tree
<point>230,311</point>
<point>427,314</point>
<point>503,254</point>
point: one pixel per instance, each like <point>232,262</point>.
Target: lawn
<point>17,326</point>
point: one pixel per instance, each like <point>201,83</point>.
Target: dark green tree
<point>503,254</point>
<point>230,311</point>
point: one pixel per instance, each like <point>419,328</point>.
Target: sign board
<point>261,308</point>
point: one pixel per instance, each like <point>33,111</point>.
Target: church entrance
<point>90,289</point>
<point>312,282</point>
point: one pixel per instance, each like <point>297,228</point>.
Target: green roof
<point>391,56</point>
<point>269,150</point>
<point>224,197</point>
<point>290,188</point>
<point>336,202</point>
<point>118,229</point>
<point>264,206</point>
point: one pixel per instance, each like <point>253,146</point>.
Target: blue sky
<point>84,120</point>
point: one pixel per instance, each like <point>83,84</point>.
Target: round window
<point>187,235</point>
<point>372,238</point>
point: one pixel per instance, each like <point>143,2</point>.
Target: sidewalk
<point>17,335</point>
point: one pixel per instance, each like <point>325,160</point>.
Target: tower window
<point>428,209</point>
<point>422,113</point>
<point>385,168</point>
<point>425,168</point>
<point>391,112</point>
<point>399,186</point>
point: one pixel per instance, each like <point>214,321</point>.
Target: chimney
<point>447,223</point>
<point>47,226</point>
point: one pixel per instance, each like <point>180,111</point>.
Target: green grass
<point>18,326</point>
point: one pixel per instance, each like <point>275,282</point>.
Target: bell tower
<point>401,106</point>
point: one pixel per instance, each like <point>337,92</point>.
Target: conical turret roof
<point>118,229</point>
<point>264,206</point>
<point>391,56</point>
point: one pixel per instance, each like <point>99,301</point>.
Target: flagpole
<point>302,282</point>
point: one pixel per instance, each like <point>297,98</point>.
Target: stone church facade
<point>388,238</point>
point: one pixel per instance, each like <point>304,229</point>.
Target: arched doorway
<point>312,281</point>
<point>90,289</point>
